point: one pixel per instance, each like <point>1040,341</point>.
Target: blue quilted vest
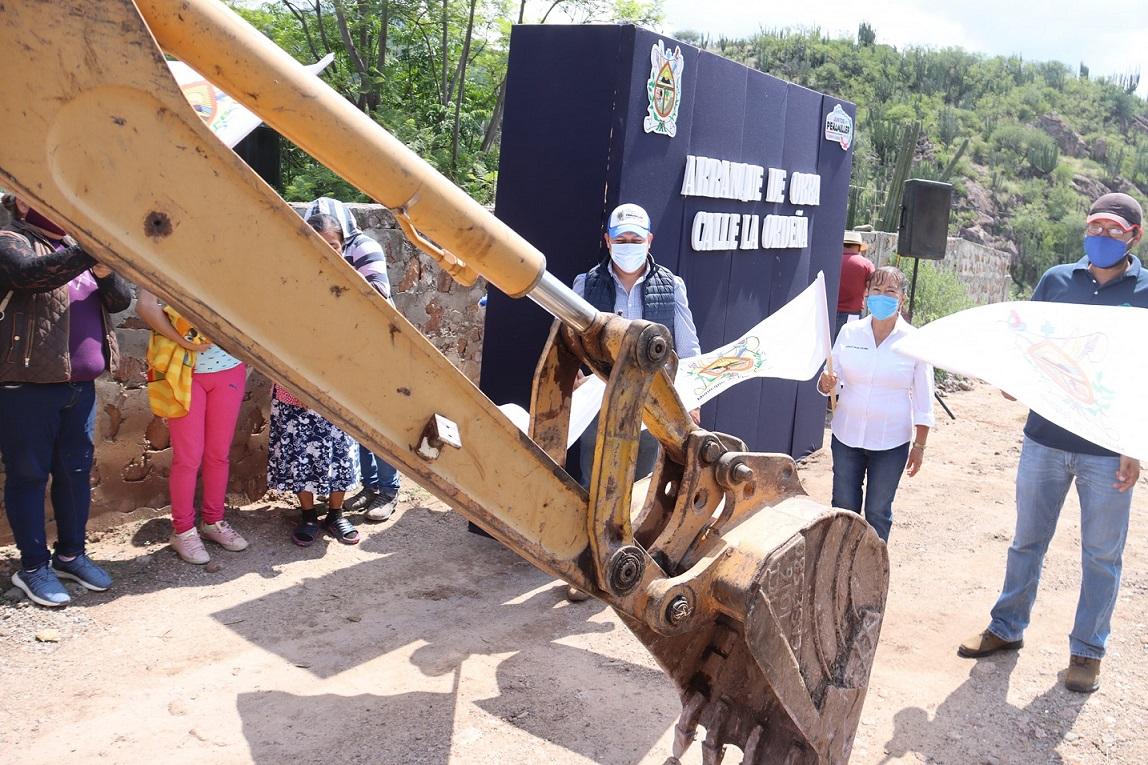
<point>657,293</point>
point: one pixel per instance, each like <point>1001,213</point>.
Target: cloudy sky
<point>1110,37</point>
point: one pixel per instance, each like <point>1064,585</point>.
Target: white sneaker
<point>223,535</point>
<point>190,547</point>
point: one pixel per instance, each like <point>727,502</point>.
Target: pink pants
<point>203,438</point>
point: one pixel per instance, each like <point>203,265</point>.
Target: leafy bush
<point>939,292</point>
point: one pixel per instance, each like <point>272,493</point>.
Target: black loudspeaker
<point>924,228</point>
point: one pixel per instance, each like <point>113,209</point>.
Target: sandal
<point>341,529</point>
<point>306,532</point>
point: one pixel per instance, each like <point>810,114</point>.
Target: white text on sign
<point>742,182</point>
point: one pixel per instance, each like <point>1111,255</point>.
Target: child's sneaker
<point>190,547</point>
<point>223,535</point>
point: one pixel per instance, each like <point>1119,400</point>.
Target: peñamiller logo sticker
<point>664,89</point>
<point>839,127</point>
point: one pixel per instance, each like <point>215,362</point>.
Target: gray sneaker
<point>42,586</point>
<point>360,500</point>
<point>381,508</point>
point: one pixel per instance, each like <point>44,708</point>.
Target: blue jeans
<point>880,470</point>
<point>1042,482</point>
<point>377,474</point>
<point>46,432</point>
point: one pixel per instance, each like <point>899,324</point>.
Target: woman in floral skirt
<point>308,455</point>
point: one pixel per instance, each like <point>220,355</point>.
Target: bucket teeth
<point>713,748</point>
<point>716,719</point>
<point>712,755</point>
<point>753,744</point>
<point>688,723</point>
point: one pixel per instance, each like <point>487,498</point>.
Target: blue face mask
<point>882,306</point>
<point>1104,251</point>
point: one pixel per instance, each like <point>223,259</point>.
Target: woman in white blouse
<point>885,406</point>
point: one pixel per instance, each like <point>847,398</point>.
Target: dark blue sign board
<point>575,144</point>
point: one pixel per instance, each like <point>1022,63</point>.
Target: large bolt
<point>742,473</point>
<point>711,450</point>
<point>679,610</point>
<point>732,470</point>
<point>625,569</point>
<point>656,348</point>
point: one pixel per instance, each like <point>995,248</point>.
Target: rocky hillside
<point>1026,144</point>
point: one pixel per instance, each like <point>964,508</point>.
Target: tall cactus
<point>947,173</point>
<point>854,201</point>
<point>1043,156</point>
<point>891,213</point>
<point>948,125</point>
<point>1114,160</point>
<point>1139,170</point>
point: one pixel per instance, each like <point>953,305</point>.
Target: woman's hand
<point>149,309</point>
<point>827,382</point>
<point>101,271</point>
<point>916,457</point>
<point>191,345</point>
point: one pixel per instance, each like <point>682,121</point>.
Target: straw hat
<point>854,237</point>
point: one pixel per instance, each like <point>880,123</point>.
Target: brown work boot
<point>1083,674</point>
<point>985,644</point>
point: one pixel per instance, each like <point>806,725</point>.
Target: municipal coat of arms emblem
<point>664,89</point>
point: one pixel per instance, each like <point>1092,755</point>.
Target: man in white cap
<point>855,272</point>
<point>631,284</point>
<point>1052,458</point>
<point>610,285</point>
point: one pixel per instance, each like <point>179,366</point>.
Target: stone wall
<point>133,454</point>
<point>983,270</point>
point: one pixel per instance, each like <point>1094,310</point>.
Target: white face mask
<point>629,256</point>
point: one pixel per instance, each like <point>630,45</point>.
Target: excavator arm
<point>763,606</point>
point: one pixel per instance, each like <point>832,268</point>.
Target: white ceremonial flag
<point>791,344</point>
<point>227,118</point>
<point>1080,366</point>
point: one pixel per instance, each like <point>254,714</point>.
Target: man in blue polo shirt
<point>1052,458</point>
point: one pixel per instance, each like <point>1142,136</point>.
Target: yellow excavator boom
<point>763,606</point>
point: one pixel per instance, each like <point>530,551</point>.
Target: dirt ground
<point>425,644</point>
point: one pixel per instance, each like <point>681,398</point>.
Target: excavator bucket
<point>763,606</point>
<point>787,684</point>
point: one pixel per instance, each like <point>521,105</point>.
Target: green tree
<point>432,72</point>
